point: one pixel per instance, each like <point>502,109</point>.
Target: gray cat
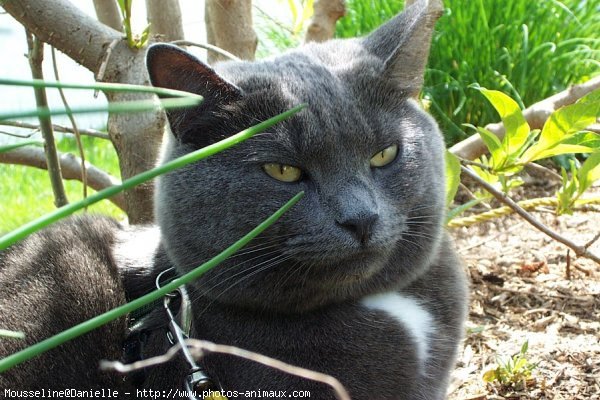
<point>358,280</point>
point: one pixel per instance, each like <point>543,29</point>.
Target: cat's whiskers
<point>257,269</point>
<point>226,269</point>
<point>293,269</point>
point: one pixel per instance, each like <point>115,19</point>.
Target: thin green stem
<point>102,319</point>
<point>114,107</point>
<point>25,230</point>
<point>108,87</point>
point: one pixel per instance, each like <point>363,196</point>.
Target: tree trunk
<point>136,137</point>
<point>322,24</point>
<point>108,13</point>
<point>164,17</point>
<point>229,26</point>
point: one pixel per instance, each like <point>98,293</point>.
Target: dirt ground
<point>522,290</point>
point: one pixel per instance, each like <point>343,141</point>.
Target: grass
<point>529,49</point>
<point>27,193</point>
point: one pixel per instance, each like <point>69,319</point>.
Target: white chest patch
<point>411,315</point>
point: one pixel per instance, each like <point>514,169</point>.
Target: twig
<point>592,241</point>
<point>57,128</point>
<point>580,251</point>
<point>73,124</point>
<point>199,347</point>
<point>568,266</point>
<point>102,69</point>
<point>472,196</point>
<point>36,56</point>
<point>546,171</point>
<point>208,47</point>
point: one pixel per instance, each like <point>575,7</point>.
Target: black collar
<point>178,326</point>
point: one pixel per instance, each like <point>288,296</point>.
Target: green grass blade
<point>11,334</point>
<point>112,107</point>
<point>13,146</point>
<point>107,87</point>
<point>102,319</point>
<point>25,230</point>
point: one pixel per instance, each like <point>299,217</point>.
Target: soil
<point>525,287</point>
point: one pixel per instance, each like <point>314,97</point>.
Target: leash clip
<point>196,381</point>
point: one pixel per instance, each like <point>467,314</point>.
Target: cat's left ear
<point>173,68</point>
<point>403,43</point>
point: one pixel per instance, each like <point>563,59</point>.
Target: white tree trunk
<point>108,13</point>
<point>164,17</point>
<point>229,26</point>
<point>322,24</point>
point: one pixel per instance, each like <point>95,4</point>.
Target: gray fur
<point>296,293</point>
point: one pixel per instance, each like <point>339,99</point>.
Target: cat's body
<point>358,280</point>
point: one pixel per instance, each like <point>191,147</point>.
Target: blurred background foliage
<point>528,49</point>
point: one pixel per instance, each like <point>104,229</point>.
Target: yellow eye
<point>282,172</point>
<point>385,156</point>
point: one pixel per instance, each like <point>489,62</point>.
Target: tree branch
<point>70,166</point>
<point>200,347</point>
<point>57,128</point>
<point>536,116</point>
<point>64,26</point>
<point>229,26</point>
<point>108,13</point>
<point>207,47</point>
<point>322,23</point>
<point>580,251</point>
<point>164,17</point>
<point>36,56</point>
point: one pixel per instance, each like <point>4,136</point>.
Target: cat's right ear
<point>173,68</point>
<point>170,67</point>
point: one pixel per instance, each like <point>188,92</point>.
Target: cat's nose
<point>360,226</point>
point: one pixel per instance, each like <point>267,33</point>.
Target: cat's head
<point>368,158</point>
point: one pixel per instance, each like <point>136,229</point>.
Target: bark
<point>229,26</point>
<point>70,166</point>
<point>136,137</point>
<point>108,13</point>
<point>322,24</point>
<point>164,17</point>
<point>536,115</point>
<point>36,57</point>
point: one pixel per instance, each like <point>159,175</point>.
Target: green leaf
<point>589,172</point>
<point>13,146</point>
<point>452,176</point>
<point>515,125</point>
<point>525,347</point>
<point>455,212</point>
<point>563,149</point>
<point>590,97</point>
<point>490,376</point>
<point>585,138</point>
<point>493,144</point>
<point>566,194</point>
<point>560,127</point>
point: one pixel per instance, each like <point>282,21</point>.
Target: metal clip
<point>196,381</point>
